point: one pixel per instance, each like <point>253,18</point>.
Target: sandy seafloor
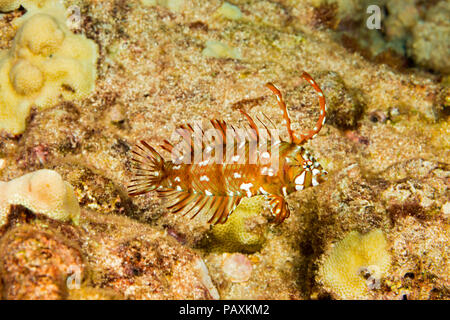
<point>385,145</point>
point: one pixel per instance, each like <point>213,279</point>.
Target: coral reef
<point>43,191</point>
<point>46,61</point>
<point>385,145</point>
<point>356,264</point>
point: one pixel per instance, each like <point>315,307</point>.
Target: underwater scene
<point>224,150</point>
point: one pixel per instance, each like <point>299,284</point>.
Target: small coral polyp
<point>43,191</point>
<point>45,62</point>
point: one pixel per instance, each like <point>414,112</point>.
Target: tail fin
<point>148,167</point>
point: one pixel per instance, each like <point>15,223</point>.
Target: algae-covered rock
<point>35,264</point>
<point>430,44</point>
<point>89,293</point>
<point>345,105</point>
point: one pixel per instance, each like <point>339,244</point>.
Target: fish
<point>197,181</point>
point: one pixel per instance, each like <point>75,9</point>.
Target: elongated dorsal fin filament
<point>312,133</point>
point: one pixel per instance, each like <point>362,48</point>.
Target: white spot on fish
<point>203,163</point>
<point>300,180</point>
<point>263,191</point>
<point>314,182</point>
<point>265,155</point>
<point>179,188</point>
<point>246,187</point>
<point>284,189</point>
<point>208,193</point>
<point>237,175</point>
<point>204,178</point>
<point>235,158</point>
<point>177,179</point>
<point>176,167</point>
<point>320,94</point>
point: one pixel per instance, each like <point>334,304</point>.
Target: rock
<point>345,105</point>
<point>35,264</point>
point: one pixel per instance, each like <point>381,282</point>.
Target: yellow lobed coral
<point>241,232</point>
<point>45,62</point>
<point>355,264</point>
<point>42,191</point>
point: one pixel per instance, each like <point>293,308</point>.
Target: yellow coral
<point>45,62</point>
<point>9,5</point>
<point>216,49</point>
<point>242,231</point>
<point>229,11</point>
<point>355,264</point>
<point>42,191</point>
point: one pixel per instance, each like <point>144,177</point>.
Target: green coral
<point>243,231</point>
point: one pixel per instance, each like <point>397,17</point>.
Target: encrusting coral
<point>46,61</point>
<point>241,232</point>
<point>43,192</point>
<point>355,264</point>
